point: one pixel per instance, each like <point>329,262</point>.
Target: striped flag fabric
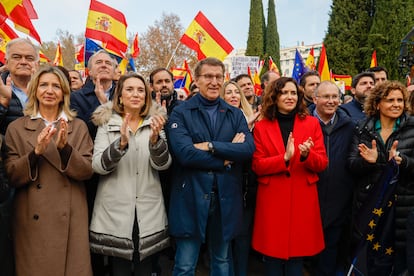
<point>323,67</point>
<point>374,62</point>
<point>16,12</point>
<point>202,37</point>
<point>58,61</point>
<point>310,60</point>
<point>135,47</point>
<point>6,34</point>
<point>108,26</point>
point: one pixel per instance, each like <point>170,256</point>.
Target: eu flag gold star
<point>372,224</point>
<point>389,251</point>
<point>378,212</point>
<point>376,246</point>
<point>389,203</point>
<point>370,237</point>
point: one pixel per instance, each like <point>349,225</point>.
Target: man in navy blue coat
<point>361,88</point>
<point>335,184</point>
<point>209,141</point>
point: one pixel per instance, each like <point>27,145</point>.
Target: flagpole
<point>173,54</point>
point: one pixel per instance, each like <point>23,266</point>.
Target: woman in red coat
<point>289,154</point>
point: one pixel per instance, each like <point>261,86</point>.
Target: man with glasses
<point>209,140</point>
<point>335,183</point>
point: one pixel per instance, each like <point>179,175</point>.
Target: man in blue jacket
<point>361,88</point>
<point>335,183</point>
<point>209,140</point>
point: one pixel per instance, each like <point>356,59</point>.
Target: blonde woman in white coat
<point>129,221</point>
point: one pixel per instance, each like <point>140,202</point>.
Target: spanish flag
<point>58,61</point>
<point>6,34</point>
<point>202,37</point>
<point>135,47</point>
<point>323,67</point>
<point>374,62</point>
<point>310,60</point>
<point>16,12</point>
<point>108,26</point>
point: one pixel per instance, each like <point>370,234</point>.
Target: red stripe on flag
<point>102,8</point>
<point>213,32</point>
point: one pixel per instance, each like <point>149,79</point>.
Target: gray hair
<point>20,40</point>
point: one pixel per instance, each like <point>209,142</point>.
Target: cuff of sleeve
<point>158,148</point>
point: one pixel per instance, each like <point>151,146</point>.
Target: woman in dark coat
<point>387,133</point>
<point>49,157</point>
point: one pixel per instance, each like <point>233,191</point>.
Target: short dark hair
<point>356,78</point>
<point>306,75</point>
<point>378,69</point>
<point>212,61</point>
<point>241,76</point>
<point>156,71</point>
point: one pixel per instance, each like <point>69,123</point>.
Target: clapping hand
<point>305,147</point>
<point>62,138</point>
<point>369,154</point>
<point>44,138</point>
<point>157,123</point>
<point>125,132</point>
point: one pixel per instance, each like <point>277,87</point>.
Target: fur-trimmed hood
<point>104,112</point>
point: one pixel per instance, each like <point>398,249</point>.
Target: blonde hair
<point>244,104</point>
<point>32,107</point>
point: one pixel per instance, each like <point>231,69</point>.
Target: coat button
<point>36,217</point>
<point>39,186</point>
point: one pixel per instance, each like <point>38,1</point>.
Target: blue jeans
<point>187,249</point>
<point>279,267</point>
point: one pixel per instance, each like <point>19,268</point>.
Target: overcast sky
<point>298,20</point>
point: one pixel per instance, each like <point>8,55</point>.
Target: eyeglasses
<point>209,77</point>
<point>328,97</point>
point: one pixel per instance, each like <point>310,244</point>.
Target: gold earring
<point>120,100</point>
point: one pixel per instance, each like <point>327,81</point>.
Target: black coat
<point>84,101</point>
<point>335,184</point>
<point>367,174</point>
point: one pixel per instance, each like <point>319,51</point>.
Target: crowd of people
<point>103,176</point>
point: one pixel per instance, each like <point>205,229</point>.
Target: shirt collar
<point>62,115</point>
<point>331,121</point>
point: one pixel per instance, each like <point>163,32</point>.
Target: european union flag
<point>299,67</point>
<point>374,226</point>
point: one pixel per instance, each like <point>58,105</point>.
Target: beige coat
<point>50,220</point>
<point>129,185</point>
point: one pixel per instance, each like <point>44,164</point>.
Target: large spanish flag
<point>16,12</point>
<point>323,67</point>
<point>108,26</point>
<point>6,34</point>
<point>205,39</point>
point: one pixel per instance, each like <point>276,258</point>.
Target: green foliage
<point>255,40</point>
<point>272,47</point>
<point>357,28</point>
<point>347,35</point>
<point>392,21</point>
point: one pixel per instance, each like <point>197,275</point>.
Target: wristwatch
<point>210,147</point>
